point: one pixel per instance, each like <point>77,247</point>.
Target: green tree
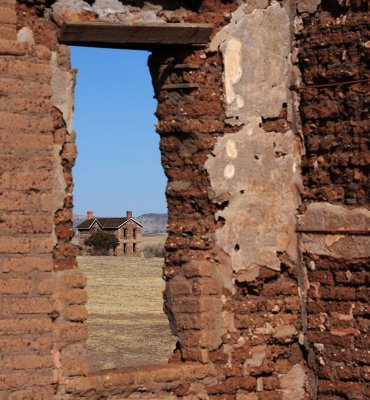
<point>102,241</point>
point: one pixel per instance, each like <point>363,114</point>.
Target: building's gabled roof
<point>87,224</point>
<point>106,223</point>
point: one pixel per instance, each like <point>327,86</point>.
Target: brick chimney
<point>90,214</point>
<point>129,214</point>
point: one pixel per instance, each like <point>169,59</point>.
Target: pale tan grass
<point>126,322</point>
<point>154,239</point>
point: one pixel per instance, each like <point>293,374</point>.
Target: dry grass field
<point>154,239</point>
<point>126,322</point>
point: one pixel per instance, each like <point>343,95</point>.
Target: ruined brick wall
<point>41,292</point>
<point>261,311</point>
<point>334,60</point>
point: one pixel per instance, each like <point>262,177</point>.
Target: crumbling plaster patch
<point>63,84</point>
<point>292,383</point>
<point>249,172</point>
<point>256,172</point>
<point>256,49</point>
<point>325,216</point>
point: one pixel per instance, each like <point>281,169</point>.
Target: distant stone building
<point>127,230</point>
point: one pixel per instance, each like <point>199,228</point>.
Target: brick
<point>28,224</point>
<point>196,321</point>
<point>46,202</point>
<point>33,394</point>
<point>353,388</point>
<point>5,180</point>
<point>13,380</point>
<point>205,286</point>
<point>179,286</point>
<point>13,345</point>
<point>337,293</point>
<point>166,374</point>
<point>36,71</point>
<point>8,15</point>
<point>21,345</point>
<point>75,313</point>
<point>15,286</point>
<point>22,362</point>
<point>195,354</point>
<point>26,122</point>
<point>40,89</point>
<point>11,48</point>
<point>197,269</point>
<point>43,244</point>
<point>24,161</point>
<point>123,378</point>
<point>4,105</point>
<point>82,384</point>
<point>25,326</point>
<point>16,201</point>
<point>75,367</point>
<point>11,86</point>
<point>71,332</point>
<point>31,105</point>
<point>280,289</point>
<point>232,384</point>
<point>74,296</point>
<point>192,304</point>
<point>4,62</point>
<point>29,141</point>
<point>75,279</point>
<point>46,286</point>
<point>9,244</point>
<point>8,2</point>
<point>41,52</point>
<point>197,371</point>
<point>210,339</point>
<point>46,379</point>
<point>8,32</point>
<point>42,342</point>
<point>27,264</point>
<point>32,305</point>
<point>29,180</point>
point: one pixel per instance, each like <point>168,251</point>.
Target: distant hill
<point>77,219</point>
<point>153,223</point>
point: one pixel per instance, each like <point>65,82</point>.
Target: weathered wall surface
<point>255,176</point>
<point>251,154</point>
<point>333,57</point>
<point>41,292</point>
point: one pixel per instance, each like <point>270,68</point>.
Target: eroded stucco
<point>329,217</point>
<point>63,84</point>
<point>259,41</point>
<point>254,172</point>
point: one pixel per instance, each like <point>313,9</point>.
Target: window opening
<point>114,121</point>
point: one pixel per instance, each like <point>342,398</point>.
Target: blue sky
<point>118,165</point>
